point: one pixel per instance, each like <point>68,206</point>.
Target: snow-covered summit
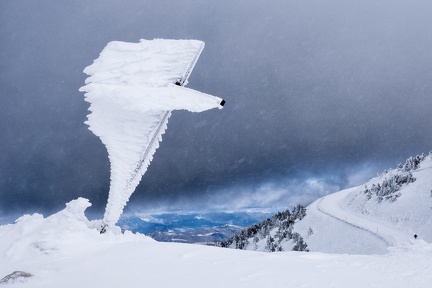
<point>66,250</point>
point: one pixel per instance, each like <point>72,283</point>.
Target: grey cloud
<point>312,88</point>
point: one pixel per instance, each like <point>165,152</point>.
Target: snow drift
<point>132,89</point>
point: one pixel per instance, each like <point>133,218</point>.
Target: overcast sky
<point>321,95</point>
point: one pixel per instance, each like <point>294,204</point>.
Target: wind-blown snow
<point>132,89</point>
<point>66,250</point>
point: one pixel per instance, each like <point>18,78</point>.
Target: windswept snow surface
<point>65,250</point>
<point>132,89</point>
<point>349,222</point>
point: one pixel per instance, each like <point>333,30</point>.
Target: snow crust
<point>66,250</point>
<point>132,89</point>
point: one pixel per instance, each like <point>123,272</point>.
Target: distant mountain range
<point>193,227</point>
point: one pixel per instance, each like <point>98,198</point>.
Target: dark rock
<point>16,276</point>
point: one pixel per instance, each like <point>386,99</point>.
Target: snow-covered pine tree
<point>272,233</point>
<point>394,180</point>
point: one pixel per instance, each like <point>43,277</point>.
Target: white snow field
<point>132,89</point>
<point>66,250</point>
<point>347,222</point>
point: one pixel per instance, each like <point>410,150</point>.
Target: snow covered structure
<point>132,89</point>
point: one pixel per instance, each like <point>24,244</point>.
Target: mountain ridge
<point>387,211</point>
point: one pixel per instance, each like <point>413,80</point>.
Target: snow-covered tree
<point>272,232</point>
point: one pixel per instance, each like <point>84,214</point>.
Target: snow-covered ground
<point>349,222</point>
<point>67,250</point>
<point>385,212</point>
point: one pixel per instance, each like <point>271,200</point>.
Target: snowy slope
<point>65,250</point>
<point>385,212</point>
<point>350,222</point>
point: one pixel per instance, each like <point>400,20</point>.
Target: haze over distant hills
<point>192,227</point>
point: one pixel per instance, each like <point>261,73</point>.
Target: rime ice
<point>132,89</point>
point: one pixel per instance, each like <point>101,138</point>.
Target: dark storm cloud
<point>317,92</point>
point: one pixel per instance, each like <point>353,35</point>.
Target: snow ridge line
<point>352,224</point>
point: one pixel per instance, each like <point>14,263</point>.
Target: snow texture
<point>132,89</point>
<point>66,250</point>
